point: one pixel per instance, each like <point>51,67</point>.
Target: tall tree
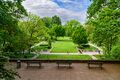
<point>58,30</point>
<point>89,30</point>
<point>105,16</point>
<point>56,20</point>
<point>10,12</point>
<point>34,28</point>
<point>70,25</point>
<point>47,21</point>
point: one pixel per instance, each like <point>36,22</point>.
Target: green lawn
<point>63,45</point>
<point>64,57</point>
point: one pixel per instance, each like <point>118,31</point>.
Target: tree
<point>79,36</point>
<point>58,30</point>
<point>56,20</point>
<point>70,25</point>
<point>105,16</point>
<point>47,21</point>
<point>35,30</point>
<point>89,30</point>
<point>98,5</point>
<point>20,40</point>
<point>6,74</point>
<point>10,13</point>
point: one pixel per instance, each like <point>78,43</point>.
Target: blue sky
<point>65,9</point>
<point>74,5</point>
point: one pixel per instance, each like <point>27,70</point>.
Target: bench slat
<point>95,63</point>
<point>33,62</point>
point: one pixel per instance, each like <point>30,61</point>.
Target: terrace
<point>79,71</point>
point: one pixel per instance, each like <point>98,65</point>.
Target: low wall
<point>73,61</point>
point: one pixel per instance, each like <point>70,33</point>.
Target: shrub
<point>115,52</point>
<point>79,36</point>
<point>18,55</point>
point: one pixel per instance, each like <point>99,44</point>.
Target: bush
<point>79,36</point>
<point>115,52</point>
<point>85,45</point>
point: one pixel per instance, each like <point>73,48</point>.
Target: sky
<point>65,9</point>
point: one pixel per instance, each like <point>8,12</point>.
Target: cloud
<point>65,1</point>
<point>50,8</point>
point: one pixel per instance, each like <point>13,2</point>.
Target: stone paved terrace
<point>79,71</point>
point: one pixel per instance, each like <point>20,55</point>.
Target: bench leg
<point>58,65</point>
<point>88,65</point>
<point>28,65</point>
<point>69,65</point>
<point>40,65</point>
<point>101,66</point>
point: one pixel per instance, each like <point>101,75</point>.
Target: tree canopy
<point>79,36</point>
<point>105,16</point>
<point>56,20</point>
<point>70,25</point>
<point>10,13</point>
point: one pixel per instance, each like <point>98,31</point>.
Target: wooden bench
<point>33,62</point>
<point>97,64</point>
<point>64,63</point>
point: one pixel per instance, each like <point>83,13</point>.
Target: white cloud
<point>66,1</point>
<point>50,8</point>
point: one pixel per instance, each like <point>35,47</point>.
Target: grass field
<point>63,57</point>
<point>63,45</point>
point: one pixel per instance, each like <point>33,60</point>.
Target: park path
<point>86,53</point>
<point>91,54</point>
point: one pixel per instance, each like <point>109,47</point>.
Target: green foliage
<point>95,7</point>
<point>56,20</point>
<point>6,74</point>
<point>34,29</point>
<point>104,15</point>
<point>79,36</point>
<point>49,43</point>
<point>10,12</point>
<point>70,25</point>
<point>115,52</point>
<point>47,21</point>
<point>58,30</point>
<point>98,5</point>
<point>18,55</point>
<point>89,30</point>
